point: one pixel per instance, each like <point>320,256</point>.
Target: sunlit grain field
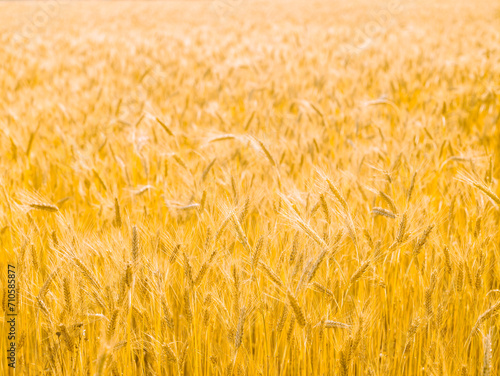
<point>250,188</point>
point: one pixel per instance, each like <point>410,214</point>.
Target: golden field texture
<point>251,188</point>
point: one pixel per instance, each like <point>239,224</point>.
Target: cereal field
<point>237,187</point>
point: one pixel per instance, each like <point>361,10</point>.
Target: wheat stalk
<point>44,206</point>
<point>297,310</point>
<point>383,212</point>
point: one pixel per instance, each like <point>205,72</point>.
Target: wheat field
<point>250,188</point>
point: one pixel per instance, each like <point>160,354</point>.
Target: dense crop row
<point>304,188</point>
